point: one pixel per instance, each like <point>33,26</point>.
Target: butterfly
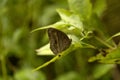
<point>59,41</point>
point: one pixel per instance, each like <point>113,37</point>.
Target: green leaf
<point>45,50</point>
<point>26,74</point>
<point>111,56</point>
<point>101,70</point>
<point>82,7</point>
<point>71,19</point>
<point>59,24</point>
<point>70,76</point>
<point>99,6</point>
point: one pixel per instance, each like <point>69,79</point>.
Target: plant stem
<point>4,71</point>
<point>103,42</point>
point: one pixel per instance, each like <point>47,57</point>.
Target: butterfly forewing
<point>59,41</point>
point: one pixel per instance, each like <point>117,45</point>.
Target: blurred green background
<point>17,45</point>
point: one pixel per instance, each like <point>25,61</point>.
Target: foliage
<point>80,20</point>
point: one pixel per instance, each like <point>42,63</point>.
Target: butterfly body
<point>59,41</point>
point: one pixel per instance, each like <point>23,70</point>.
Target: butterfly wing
<point>59,41</point>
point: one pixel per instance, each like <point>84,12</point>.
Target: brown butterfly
<point>59,41</point>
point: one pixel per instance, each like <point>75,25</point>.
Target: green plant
<point>81,22</point>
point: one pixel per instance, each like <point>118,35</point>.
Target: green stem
<point>47,63</point>
<point>103,42</point>
<point>4,71</point>
<point>72,47</point>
